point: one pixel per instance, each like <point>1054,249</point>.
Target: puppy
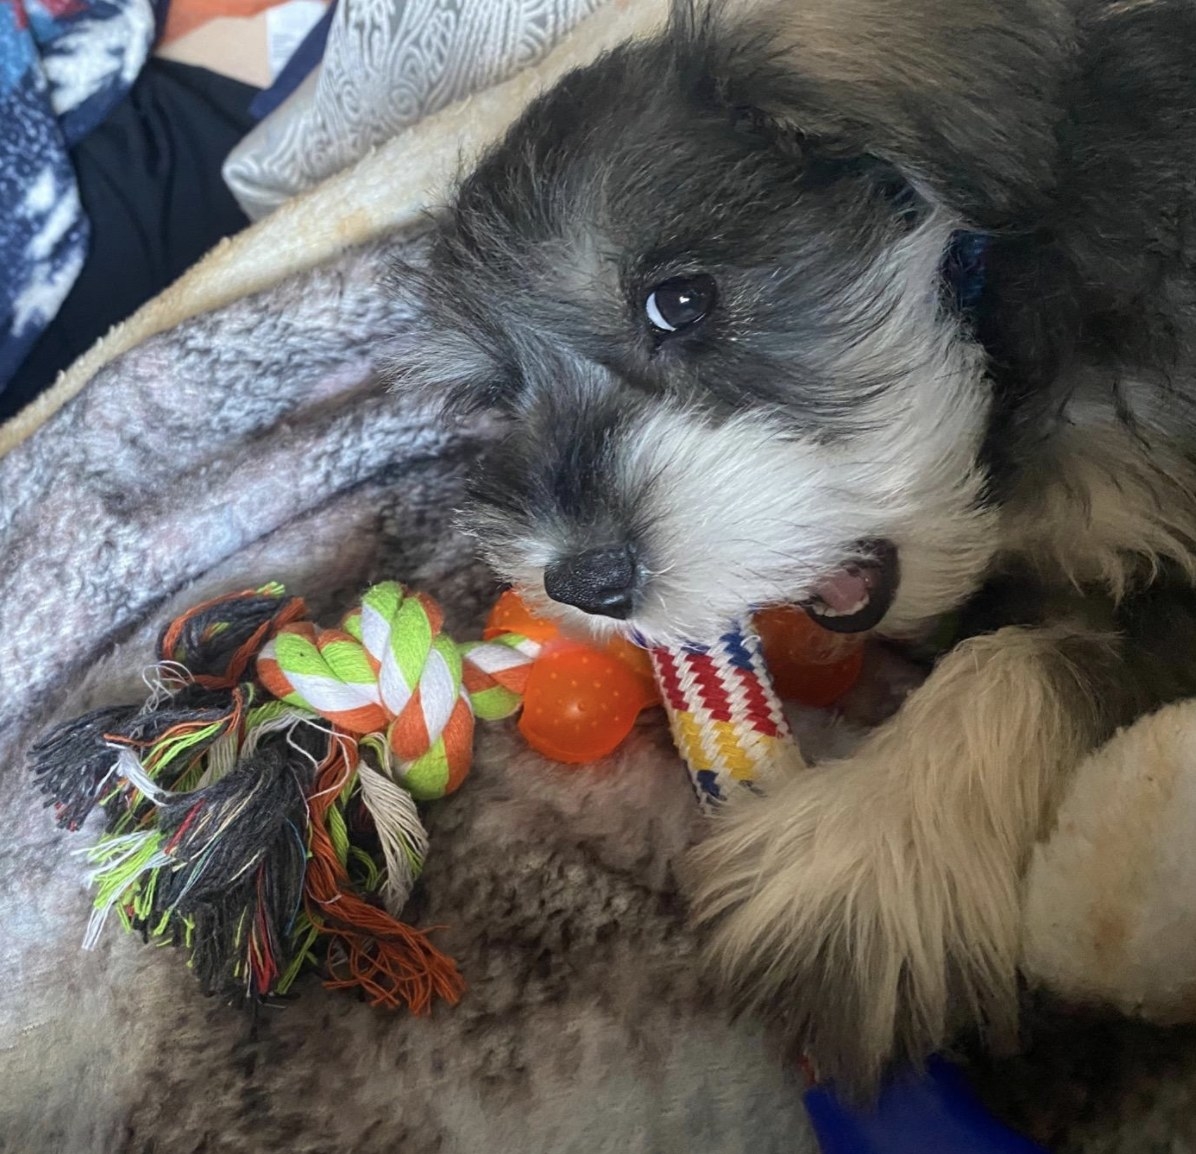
<point>884,307</point>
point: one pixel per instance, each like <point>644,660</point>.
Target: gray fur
<point>815,160</point>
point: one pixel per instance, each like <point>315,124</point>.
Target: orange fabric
<point>408,732</point>
<point>187,15</point>
<point>458,744</point>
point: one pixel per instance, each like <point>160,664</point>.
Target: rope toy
<point>725,717</point>
<point>261,806</point>
<point>261,809</point>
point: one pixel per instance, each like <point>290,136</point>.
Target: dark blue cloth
<point>297,69</point>
<point>64,65</point>
<point>149,177</point>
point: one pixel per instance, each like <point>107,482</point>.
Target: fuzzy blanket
<point>254,443</point>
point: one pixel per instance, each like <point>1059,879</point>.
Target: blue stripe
<point>737,651</point>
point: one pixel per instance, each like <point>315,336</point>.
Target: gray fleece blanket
<point>257,443</point>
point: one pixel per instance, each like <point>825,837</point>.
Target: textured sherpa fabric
<point>256,442</point>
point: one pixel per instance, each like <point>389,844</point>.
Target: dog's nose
<point>598,581</point>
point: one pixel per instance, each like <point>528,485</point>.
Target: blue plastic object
<point>936,1113</point>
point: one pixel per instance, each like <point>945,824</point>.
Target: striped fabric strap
<point>725,716</point>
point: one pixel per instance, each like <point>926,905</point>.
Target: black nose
<point>598,581</point>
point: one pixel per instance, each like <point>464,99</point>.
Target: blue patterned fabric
<point>64,64</point>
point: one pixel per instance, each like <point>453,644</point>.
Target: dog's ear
<point>735,72</point>
<point>948,102</point>
<point>827,154</point>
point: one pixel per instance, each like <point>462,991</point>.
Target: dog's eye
<point>681,302</point>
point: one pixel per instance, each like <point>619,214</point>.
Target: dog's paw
<point>860,926</point>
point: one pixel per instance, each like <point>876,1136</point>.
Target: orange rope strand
<point>291,610</point>
<point>392,962</point>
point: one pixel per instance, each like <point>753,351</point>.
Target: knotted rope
<point>261,805</point>
<point>391,669</point>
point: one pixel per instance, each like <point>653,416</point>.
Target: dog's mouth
<point>858,594</point>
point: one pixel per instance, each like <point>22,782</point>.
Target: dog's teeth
<point>843,593</point>
<point>826,611</point>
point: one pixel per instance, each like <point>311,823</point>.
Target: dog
<point>884,308</point>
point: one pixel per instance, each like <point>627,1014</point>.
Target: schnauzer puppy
<point>883,307</point>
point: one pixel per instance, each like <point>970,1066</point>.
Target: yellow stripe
<point>688,735</point>
<point>735,758</point>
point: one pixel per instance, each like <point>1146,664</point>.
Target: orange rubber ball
<point>511,615</point>
<point>809,665</point>
<point>581,702</point>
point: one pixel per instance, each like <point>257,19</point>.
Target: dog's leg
<point>868,904</point>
